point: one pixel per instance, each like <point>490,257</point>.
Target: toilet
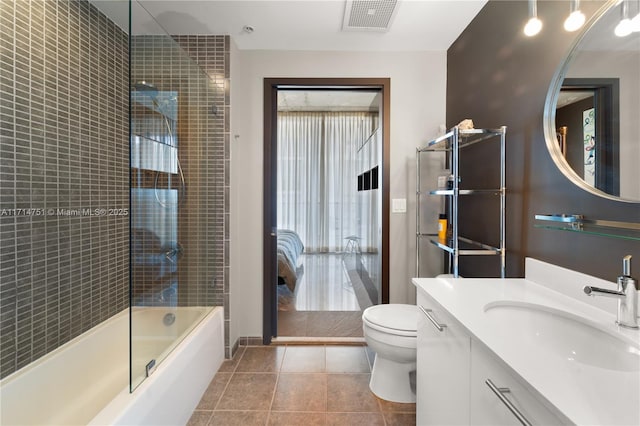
<point>391,332</point>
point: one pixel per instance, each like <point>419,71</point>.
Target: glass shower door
<point>170,284</point>
<point>156,191</point>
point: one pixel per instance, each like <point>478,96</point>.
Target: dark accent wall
<point>64,147</point>
<point>497,76</point>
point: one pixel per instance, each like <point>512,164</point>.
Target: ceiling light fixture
<point>576,19</point>
<point>635,22</point>
<point>533,25</point>
<point>624,27</point>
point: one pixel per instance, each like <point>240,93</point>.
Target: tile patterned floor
<point>297,385</point>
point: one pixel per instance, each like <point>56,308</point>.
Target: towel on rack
<point>466,124</point>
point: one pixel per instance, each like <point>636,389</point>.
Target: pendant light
<point>576,18</point>
<point>533,25</point>
<point>624,27</point>
<point>635,22</point>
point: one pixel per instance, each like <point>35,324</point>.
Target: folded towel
<point>466,124</point>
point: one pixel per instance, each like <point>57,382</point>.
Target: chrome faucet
<point>627,295</point>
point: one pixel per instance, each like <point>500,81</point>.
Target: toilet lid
<point>393,316</point>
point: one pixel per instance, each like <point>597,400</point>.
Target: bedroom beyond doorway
<point>326,186</point>
<point>328,299</point>
<point>326,151</point>
<point>326,141</point>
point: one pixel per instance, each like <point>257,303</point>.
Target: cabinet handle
<point>499,393</point>
<point>435,323</point>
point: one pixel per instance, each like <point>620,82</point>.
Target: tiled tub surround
<point>576,392</point>
<point>212,53</point>
<point>64,147</point>
<point>86,381</point>
<point>296,385</point>
<point>196,69</point>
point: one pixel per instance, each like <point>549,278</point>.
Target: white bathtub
<point>86,381</point>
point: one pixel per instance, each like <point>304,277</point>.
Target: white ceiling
<point>420,25</point>
<point>567,97</point>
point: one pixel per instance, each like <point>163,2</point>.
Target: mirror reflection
<point>597,110</point>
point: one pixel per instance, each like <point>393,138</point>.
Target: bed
<point>289,248</point>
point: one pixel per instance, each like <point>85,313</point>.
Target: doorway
<point>342,253</point>
<point>588,130</point>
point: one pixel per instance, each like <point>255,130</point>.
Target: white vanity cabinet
<point>487,408</point>
<point>452,373</point>
<point>563,361</point>
<point>443,361</point>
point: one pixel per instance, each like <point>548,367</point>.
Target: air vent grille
<point>369,15</point>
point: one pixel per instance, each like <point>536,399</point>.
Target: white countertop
<point>585,394</point>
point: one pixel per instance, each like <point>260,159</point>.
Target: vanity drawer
<point>486,407</point>
<point>443,362</point>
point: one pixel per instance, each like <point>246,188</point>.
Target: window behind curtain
<point>317,175</point>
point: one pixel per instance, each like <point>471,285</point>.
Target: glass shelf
<point>466,192</point>
<point>422,234</point>
<point>578,223</point>
<point>466,138</point>
<point>466,247</point>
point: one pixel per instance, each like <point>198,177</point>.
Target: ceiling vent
<point>369,15</point>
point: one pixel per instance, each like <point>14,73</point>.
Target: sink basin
<point>575,339</point>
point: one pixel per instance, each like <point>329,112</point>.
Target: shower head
<point>143,86</point>
<point>148,88</point>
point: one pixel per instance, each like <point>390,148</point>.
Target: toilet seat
<point>395,319</point>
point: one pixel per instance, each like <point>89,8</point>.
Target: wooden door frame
<point>271,86</point>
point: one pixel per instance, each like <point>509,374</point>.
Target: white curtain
<point>317,175</point>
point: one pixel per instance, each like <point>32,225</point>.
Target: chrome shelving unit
<point>451,143</point>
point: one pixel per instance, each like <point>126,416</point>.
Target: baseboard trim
<point>356,341</point>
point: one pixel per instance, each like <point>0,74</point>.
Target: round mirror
<point>592,113</point>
